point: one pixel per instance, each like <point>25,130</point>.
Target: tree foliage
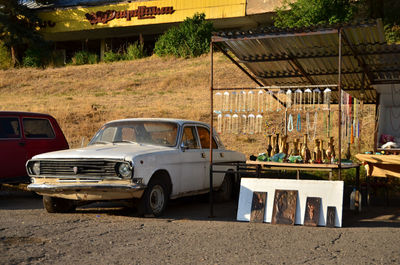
<point>304,13</point>
<point>190,39</point>
<point>18,25</point>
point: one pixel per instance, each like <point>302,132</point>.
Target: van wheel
<point>154,199</point>
<point>225,190</point>
<point>58,205</point>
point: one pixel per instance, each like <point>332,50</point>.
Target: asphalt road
<point>113,234</point>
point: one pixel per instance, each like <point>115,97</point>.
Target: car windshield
<point>141,132</point>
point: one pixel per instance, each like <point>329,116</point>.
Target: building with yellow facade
<point>95,25</point>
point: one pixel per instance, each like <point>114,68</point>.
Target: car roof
<point>23,113</point>
<point>178,121</point>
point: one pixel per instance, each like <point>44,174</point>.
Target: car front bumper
<point>89,192</point>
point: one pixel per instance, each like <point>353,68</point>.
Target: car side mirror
<point>184,147</point>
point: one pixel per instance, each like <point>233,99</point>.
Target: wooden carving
<point>258,207</point>
<point>284,210</point>
<point>311,216</point>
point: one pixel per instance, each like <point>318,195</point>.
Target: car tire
<point>154,199</point>
<point>58,205</point>
<point>225,191</point>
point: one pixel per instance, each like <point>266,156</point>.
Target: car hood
<point>108,151</point>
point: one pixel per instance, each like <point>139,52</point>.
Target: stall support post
<point>340,102</point>
<point>211,130</point>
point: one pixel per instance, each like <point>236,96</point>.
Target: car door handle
<point>203,155</point>
<point>22,143</point>
<point>221,154</point>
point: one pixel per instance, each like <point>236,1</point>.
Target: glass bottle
<point>235,124</point>
<point>260,101</point>
<point>259,122</point>
<point>251,124</point>
<point>218,103</point>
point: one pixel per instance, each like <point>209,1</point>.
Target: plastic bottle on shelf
<point>235,124</point>
<point>260,101</point>
<point>226,101</point>
<point>259,122</point>
<point>219,123</point>
<point>227,123</point>
<point>234,102</point>
<point>250,101</point>
<point>242,101</point>
<point>251,124</point>
<point>218,103</point>
<point>243,124</point>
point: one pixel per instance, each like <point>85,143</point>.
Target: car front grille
<point>86,168</point>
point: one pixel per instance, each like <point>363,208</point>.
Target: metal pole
<point>340,102</point>
<point>211,129</point>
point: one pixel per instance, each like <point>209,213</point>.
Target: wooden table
<point>307,167</point>
<point>381,165</point>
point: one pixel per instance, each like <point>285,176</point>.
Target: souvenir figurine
<point>305,152</point>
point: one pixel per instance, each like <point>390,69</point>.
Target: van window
<point>9,128</point>
<point>37,128</point>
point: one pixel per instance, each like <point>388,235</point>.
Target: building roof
<point>309,56</point>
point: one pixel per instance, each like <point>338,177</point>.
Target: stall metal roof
<point>309,56</point>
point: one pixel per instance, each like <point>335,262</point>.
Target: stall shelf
<point>352,58</point>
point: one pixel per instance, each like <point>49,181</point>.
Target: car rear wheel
<point>155,197</point>
<point>57,205</point>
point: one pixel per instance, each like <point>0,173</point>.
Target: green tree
<point>304,13</point>
<point>190,39</point>
<point>18,27</point>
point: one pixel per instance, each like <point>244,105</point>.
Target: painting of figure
<point>258,207</point>
<point>311,216</point>
<point>284,210</point>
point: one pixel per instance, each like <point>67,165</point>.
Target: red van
<point>23,135</point>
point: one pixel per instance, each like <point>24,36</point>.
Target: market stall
<point>308,76</point>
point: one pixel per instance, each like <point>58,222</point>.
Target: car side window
<point>189,137</point>
<point>9,128</point>
<point>37,128</point>
<point>204,135</point>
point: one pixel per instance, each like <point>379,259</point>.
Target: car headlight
<point>36,168</point>
<point>124,170</point>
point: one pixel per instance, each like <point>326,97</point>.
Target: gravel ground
<point>112,234</point>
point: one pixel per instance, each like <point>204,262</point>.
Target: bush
<point>111,56</point>
<point>84,57</point>
<point>37,57</point>
<point>5,57</point>
<point>135,51</point>
<point>190,39</point>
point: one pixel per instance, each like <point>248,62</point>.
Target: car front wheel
<point>155,197</point>
<point>57,205</point>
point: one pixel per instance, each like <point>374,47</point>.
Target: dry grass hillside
<point>82,98</point>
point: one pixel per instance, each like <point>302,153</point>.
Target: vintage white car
<point>143,160</point>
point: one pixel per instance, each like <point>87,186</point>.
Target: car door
<point>12,148</point>
<point>39,136</point>
<point>218,156</point>
<point>193,161</point>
